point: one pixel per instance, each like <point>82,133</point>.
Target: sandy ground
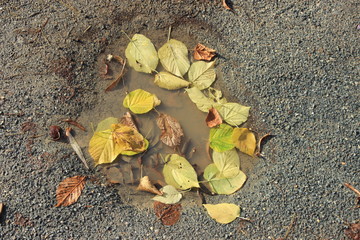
<point>295,62</point>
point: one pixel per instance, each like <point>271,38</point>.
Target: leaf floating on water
<point>170,195</point>
<point>227,162</point>
<point>169,81</point>
<point>179,173</point>
<point>146,185</point>
<point>69,190</point>
<point>76,147</point>
<point>221,138</point>
<point>203,53</point>
<point>213,118</point>
<point>141,54</point>
<point>233,113</point>
<point>174,57</point>
<point>202,74</point>
<point>102,147</point>
<point>168,214</point>
<point>202,102</point>
<point>128,120</point>
<point>244,140</point>
<point>224,212</point>
<point>171,131</point>
<point>140,101</point>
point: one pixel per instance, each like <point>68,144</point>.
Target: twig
<point>74,123</point>
<point>348,185</point>
<point>169,34</point>
<point>76,147</point>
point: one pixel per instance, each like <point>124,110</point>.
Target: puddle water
<point>174,103</point>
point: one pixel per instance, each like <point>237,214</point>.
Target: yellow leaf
<point>202,102</point>
<point>128,139</point>
<point>202,74</point>
<point>227,162</point>
<point>233,113</point>
<point>169,81</point>
<point>224,212</point>
<point>244,140</point>
<point>140,101</point>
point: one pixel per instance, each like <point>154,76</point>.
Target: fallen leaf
<point>113,175</point>
<point>114,83</point>
<point>258,152</point>
<point>224,212</point>
<point>233,113</point>
<point>173,56</point>
<point>141,54</point>
<point>227,6</point>
<point>227,162</point>
<point>74,123</point>
<point>76,147</point>
<point>1,208</point>
<point>128,120</point>
<point>106,124</point>
<point>353,231</point>
<point>168,214</point>
<point>221,138</point>
<point>140,101</point>
<point>146,185</point>
<point>244,140</point>
<point>179,173</point>
<point>171,131</point>
<point>202,102</point>
<point>69,190</point>
<point>202,74</point>
<point>213,118</point>
<point>203,53</point>
<point>169,81</point>
<point>216,95</point>
<point>170,195</point>
<point>55,132</point>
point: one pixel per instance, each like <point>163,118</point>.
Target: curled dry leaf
<point>227,5</point>
<point>168,214</point>
<point>69,190</point>
<point>74,123</point>
<point>353,231</point>
<point>171,131</point>
<point>213,118</point>
<point>55,132</point>
<point>203,53</point>
<point>128,120</point>
<point>76,147</point>
<point>146,185</point>
<point>1,208</point>
<point>258,152</point>
<point>118,78</point>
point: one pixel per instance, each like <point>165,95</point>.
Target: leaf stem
<point>169,34</point>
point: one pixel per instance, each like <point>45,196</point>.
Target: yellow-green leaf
<point>202,102</point>
<point>140,101</point>
<point>106,124</point>
<point>244,140</point>
<point>102,147</point>
<point>202,74</point>
<point>233,113</point>
<point>174,57</point>
<point>224,212</point>
<point>170,195</point>
<point>227,162</point>
<point>221,138</point>
<point>179,173</point>
<point>168,81</point>
<point>141,54</point>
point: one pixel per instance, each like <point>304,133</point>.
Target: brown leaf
<point>213,118</point>
<point>128,120</point>
<point>353,231</point>
<point>146,185</point>
<point>227,5</point>
<point>203,53</point>
<point>117,79</point>
<point>258,152</point>
<point>1,208</point>
<point>171,131</point>
<point>69,190</point>
<point>55,132</point>
<point>22,221</point>
<point>169,214</point>
<point>74,123</point>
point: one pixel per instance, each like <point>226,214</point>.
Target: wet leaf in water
<point>244,140</point>
<point>174,57</point>
<point>169,81</point>
<point>106,124</point>
<point>227,162</point>
<point>202,102</point>
<point>140,101</point>
<point>69,190</point>
<point>113,175</point>
<point>171,131</point>
<point>146,185</point>
<point>170,195</point>
<point>141,54</point>
<point>224,212</point>
<point>168,214</point>
<point>179,173</point>
<point>213,118</point>
<point>353,231</point>
<point>203,53</point>
<point>128,120</point>
<point>221,138</point>
<point>233,113</point>
<point>202,74</point>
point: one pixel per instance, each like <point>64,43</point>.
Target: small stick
<point>76,147</point>
<point>74,123</point>
<point>348,185</point>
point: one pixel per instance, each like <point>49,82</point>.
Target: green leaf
<point>202,102</point>
<point>141,54</point>
<point>233,113</point>
<point>174,57</point>
<point>140,101</point>
<point>227,162</point>
<point>106,124</point>
<point>169,81</point>
<point>224,212</point>
<point>202,74</point>
<point>179,173</point>
<point>221,138</point>
<point>244,140</point>
<point>170,195</point>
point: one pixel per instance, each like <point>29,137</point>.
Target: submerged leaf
<point>129,139</point>
<point>140,101</point>
<point>174,57</point>
<point>202,102</point>
<point>169,81</point>
<point>234,113</point>
<point>141,54</point>
<point>171,131</point>
<point>170,195</point>
<point>203,53</point>
<point>213,118</point>
<point>128,120</point>
<point>224,212</point>
<point>221,138</point>
<point>179,173</point>
<point>146,185</point>
<point>168,214</point>
<point>202,74</point>
<point>69,190</point>
<point>244,140</point>
<point>106,124</point>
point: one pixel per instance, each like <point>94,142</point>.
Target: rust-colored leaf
<point>203,53</point>
<point>1,208</point>
<point>128,120</point>
<point>258,152</point>
<point>213,118</point>
<point>117,79</point>
<point>146,185</point>
<point>69,190</point>
<point>227,5</point>
<point>74,123</point>
<point>55,132</point>
<point>168,214</point>
<point>171,131</point>
<point>353,231</point>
